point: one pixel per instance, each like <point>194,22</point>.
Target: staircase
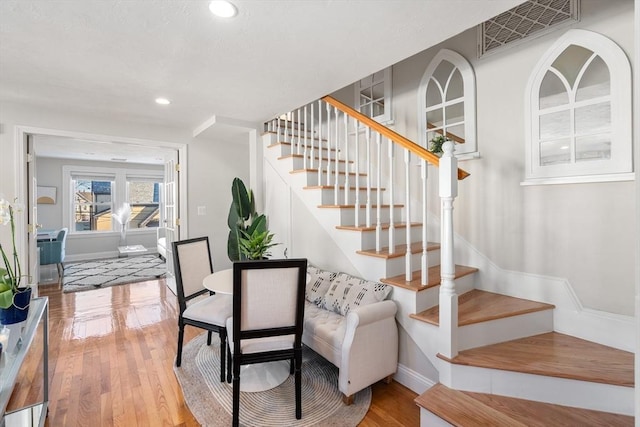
<point>496,355</point>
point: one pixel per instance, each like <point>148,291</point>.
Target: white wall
<point>205,159</point>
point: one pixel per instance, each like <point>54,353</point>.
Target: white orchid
<point>11,274</point>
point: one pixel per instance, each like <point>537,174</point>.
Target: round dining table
<point>254,377</point>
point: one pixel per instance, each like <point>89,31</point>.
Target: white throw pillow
<point>318,282</point>
<point>347,292</point>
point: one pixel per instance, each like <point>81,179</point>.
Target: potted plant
<point>249,237</point>
<point>14,295</point>
<point>436,144</point>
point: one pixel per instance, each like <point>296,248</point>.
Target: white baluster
<point>357,173</point>
<point>298,132</point>
<point>320,142</point>
<point>305,151</point>
<point>392,227</point>
<point>407,257</point>
<point>329,140</point>
<point>313,132</point>
<point>336,180</point>
<point>346,160</point>
<point>448,297</point>
<point>424,268</point>
<point>286,127</point>
<point>378,194</point>
<point>368,209</point>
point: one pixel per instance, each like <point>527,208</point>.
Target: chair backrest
<point>192,263</point>
<point>62,237</point>
<point>268,298</point>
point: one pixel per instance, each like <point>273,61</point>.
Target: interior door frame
<point>22,180</point>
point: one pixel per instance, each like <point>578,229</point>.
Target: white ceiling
<point>112,58</point>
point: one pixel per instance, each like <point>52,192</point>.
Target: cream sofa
<point>162,243</point>
<point>349,322</point>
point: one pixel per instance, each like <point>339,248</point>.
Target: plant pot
<point>19,309</point>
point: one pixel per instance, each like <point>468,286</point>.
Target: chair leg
<point>180,339</point>
<point>229,360</point>
<point>236,392</point>
<point>298,383</point>
<point>223,353</point>
<point>292,365</point>
<point>209,333</point>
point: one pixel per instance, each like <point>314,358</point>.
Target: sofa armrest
<point>370,347</point>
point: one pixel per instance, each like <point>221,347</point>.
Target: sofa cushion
<point>347,292</point>
<point>324,332</point>
<point>318,282</point>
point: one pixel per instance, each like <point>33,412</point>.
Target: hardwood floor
<point>111,356</point>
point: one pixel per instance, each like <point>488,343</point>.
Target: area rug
<point>210,401</point>
<point>86,275</point>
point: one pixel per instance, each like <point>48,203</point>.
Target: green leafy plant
<point>249,237</point>
<point>11,274</point>
<point>436,144</point>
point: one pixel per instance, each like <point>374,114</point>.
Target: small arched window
<point>447,102</point>
<point>579,111</point>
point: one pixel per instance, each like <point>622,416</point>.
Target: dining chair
<point>268,310</point>
<point>53,251</point>
<point>192,263</point>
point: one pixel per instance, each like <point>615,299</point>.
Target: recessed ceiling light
<point>163,101</point>
<point>564,147</point>
<point>223,9</point>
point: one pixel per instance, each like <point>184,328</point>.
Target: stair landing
<point>461,408</point>
<point>480,306</point>
<point>556,355</point>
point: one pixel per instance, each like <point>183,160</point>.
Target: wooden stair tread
<point>469,409</point>
<point>341,187</point>
<point>400,250</point>
<point>384,226</point>
<point>316,171</point>
<point>353,206</point>
<point>275,144</point>
<point>478,306</point>
<point>434,276</point>
<point>556,355</point>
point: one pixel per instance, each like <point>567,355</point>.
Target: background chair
<point>192,263</point>
<point>53,251</point>
<point>268,310</point>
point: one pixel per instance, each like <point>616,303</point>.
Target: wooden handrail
<point>416,149</point>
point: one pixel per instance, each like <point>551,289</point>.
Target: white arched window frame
<point>458,77</point>
<point>602,118</point>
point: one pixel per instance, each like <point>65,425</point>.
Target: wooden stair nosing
<point>478,306</point>
<point>341,187</point>
<point>434,278</point>
<point>554,354</point>
<point>471,409</point>
<point>315,170</point>
<point>400,250</point>
<point>354,206</point>
<point>384,226</point>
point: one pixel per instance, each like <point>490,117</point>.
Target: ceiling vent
<point>531,19</point>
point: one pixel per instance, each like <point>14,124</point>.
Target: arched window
<point>578,109</point>
<point>447,102</point>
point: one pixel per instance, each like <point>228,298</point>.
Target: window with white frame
<point>373,96</point>
<point>143,195</point>
<point>93,194</point>
<point>447,102</point>
<point>578,103</point>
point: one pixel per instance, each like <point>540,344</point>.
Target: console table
<point>12,361</point>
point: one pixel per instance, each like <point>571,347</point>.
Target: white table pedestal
<point>263,376</point>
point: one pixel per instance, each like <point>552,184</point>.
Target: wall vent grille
<point>532,18</point>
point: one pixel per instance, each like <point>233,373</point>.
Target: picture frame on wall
<point>46,195</point>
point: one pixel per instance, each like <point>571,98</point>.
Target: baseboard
<point>412,380</point>
<point>100,255</point>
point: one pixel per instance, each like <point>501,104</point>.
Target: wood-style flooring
<point>111,357</point>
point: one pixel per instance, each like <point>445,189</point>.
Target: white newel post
<point>448,297</point>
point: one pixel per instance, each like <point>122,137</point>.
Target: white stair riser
<point>326,196</point>
<point>368,238</point>
<point>431,297</point>
<point>429,419</point>
<point>309,179</point>
<point>295,163</point>
<point>346,216</point>
<point>505,329</point>
<point>541,388</point>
